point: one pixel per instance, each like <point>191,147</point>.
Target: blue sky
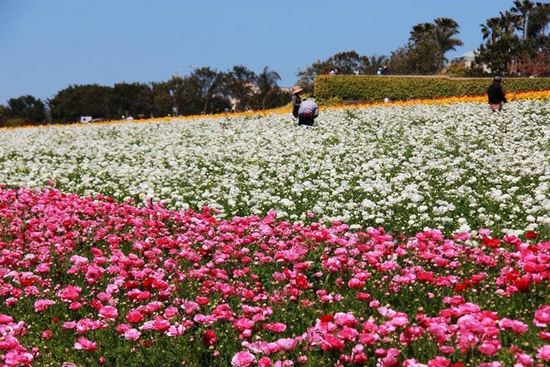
<point>47,45</point>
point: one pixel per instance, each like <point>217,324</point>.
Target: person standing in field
<point>296,100</point>
<point>496,95</point>
<point>307,112</point>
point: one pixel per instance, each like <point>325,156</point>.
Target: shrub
<point>376,88</point>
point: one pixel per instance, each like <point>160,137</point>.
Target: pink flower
<point>347,319</point>
<point>108,312</point>
<point>132,334</point>
<point>544,353</point>
<point>287,344</point>
<point>516,326</point>
<point>302,359</point>
<point>391,359</point>
<point>42,304</point>
<point>243,359</point>
<point>85,344</point>
<point>69,293</point>
<point>489,348</point>
<point>542,316</point>
<point>348,333</point>
<point>134,316</point>
<point>46,334</point>
<point>265,362</point>
<point>439,362</point>
<point>355,283</point>
<point>276,327</point>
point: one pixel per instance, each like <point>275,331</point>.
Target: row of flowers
<point>452,167</point>
<point>88,281</point>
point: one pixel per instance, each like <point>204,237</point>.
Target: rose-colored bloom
<point>265,362</point>
<point>209,338</point>
<point>544,353</point>
<point>439,362</point>
<point>108,312</point>
<point>243,359</point>
<point>42,304</point>
<point>542,316</point>
<point>85,344</point>
<point>132,334</point>
<point>276,327</point>
<point>516,326</point>
<point>355,283</point>
<point>134,316</point>
<point>69,293</point>
<point>489,348</point>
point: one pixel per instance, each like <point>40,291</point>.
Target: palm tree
<point>539,18</point>
<point>239,86</point>
<point>267,83</point>
<point>509,22</point>
<point>374,63</point>
<point>522,9</point>
<point>441,33</point>
<point>422,32</point>
<point>491,29</point>
<point>445,31</point>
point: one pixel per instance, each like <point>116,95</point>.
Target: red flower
<point>301,281</point>
<point>332,343</point>
<point>326,318</point>
<point>530,235</point>
<point>491,242</point>
<point>209,338</point>
<point>523,283</point>
<point>460,287</point>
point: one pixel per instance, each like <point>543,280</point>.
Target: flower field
<point>453,167</point>
<point>384,236</point>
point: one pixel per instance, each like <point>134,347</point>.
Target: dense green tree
<point>27,108</point>
<point>539,19</point>
<point>374,63</point>
<point>522,10</point>
<point>240,86</point>
<point>346,62</point>
<point>188,96</point>
<point>429,42</point>
<point>131,99</point>
<point>306,77</point>
<point>81,100</point>
<point>516,41</point>
<point>210,84</point>
<point>398,61</point>
<point>3,114</point>
<point>162,100</point>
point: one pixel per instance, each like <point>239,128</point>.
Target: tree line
<point>204,91</point>
<point>516,42</point>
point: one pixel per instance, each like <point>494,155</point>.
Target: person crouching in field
<point>307,112</point>
<point>496,95</point>
<point>296,100</point>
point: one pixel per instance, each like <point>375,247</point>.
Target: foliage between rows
<point>376,88</point>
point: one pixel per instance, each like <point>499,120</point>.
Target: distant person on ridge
<point>307,112</point>
<point>496,95</point>
<point>296,100</point>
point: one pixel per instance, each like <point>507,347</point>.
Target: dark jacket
<point>496,94</point>
<point>296,101</point>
